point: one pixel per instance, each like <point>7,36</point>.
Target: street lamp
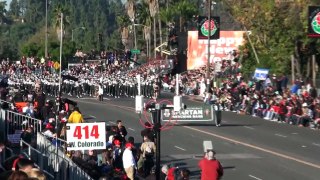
<point>82,27</point>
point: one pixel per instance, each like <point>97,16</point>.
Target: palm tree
<point>185,10</point>
<point>57,20</point>
<point>153,8</point>
<point>160,28</point>
<point>144,18</point>
<point>166,15</point>
<point>123,22</point>
<point>131,10</point>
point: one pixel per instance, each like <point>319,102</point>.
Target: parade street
<point>248,147</point>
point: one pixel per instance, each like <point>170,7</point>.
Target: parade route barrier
<point>40,159</point>
<point>15,124</point>
<point>55,165</point>
<point>59,162</point>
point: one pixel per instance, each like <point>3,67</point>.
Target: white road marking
<point>131,129</point>
<point>303,146</point>
<point>254,177</point>
<point>280,135</point>
<point>111,122</point>
<point>248,127</point>
<point>93,116</point>
<point>294,133</point>
<point>179,148</point>
<point>316,144</point>
<point>255,147</point>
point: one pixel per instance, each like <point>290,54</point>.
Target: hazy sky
<point>8,3</point>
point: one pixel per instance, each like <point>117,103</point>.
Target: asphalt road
<point>247,147</point>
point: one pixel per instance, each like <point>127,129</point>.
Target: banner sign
<point>197,113</point>
<point>314,21</point>
<point>261,74</point>
<point>203,27</point>
<point>219,49</point>
<point>86,136</point>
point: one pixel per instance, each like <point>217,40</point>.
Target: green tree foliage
<point>24,25</point>
<point>277,28</point>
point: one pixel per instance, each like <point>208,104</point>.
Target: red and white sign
<point>219,49</point>
<point>86,136</point>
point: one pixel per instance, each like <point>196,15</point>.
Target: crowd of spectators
<point>271,99</point>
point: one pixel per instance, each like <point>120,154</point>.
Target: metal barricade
<point>60,162</point>
<point>40,159</point>
<point>16,121</point>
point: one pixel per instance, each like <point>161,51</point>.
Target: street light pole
<point>208,60</point>
<point>46,35</point>
<point>59,95</point>
<point>135,35</point>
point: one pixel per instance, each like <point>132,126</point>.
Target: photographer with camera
<point>211,168</point>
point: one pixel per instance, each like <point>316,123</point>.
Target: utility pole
<point>58,99</point>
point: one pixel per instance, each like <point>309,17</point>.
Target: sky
<point>8,3</point>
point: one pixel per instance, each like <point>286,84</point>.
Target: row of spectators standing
<point>270,99</point>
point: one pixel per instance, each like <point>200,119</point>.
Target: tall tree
<point>14,9</point>
<point>3,11</point>
<point>273,33</point>
<point>153,8</point>
<point>58,9</point>
<point>185,10</point>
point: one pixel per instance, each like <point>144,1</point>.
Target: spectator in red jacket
<point>211,168</point>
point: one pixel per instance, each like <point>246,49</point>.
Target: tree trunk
<point>309,68</point>
<point>180,23</point>
<point>160,34</point>
<point>298,57</point>
<point>154,37</point>
<point>149,43</point>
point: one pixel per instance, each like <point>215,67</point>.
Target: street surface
<point>248,147</point>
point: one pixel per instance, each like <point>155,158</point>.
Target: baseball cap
<point>129,145</point>
<point>49,126</point>
<point>116,142</point>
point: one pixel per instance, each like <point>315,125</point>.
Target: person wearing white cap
<point>305,118</point>
<point>211,168</point>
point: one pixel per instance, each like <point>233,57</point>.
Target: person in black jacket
<point>122,132</point>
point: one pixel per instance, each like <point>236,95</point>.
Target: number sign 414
<point>86,136</point>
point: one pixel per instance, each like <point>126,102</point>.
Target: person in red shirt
<point>211,168</point>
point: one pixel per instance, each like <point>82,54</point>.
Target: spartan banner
<point>197,113</point>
